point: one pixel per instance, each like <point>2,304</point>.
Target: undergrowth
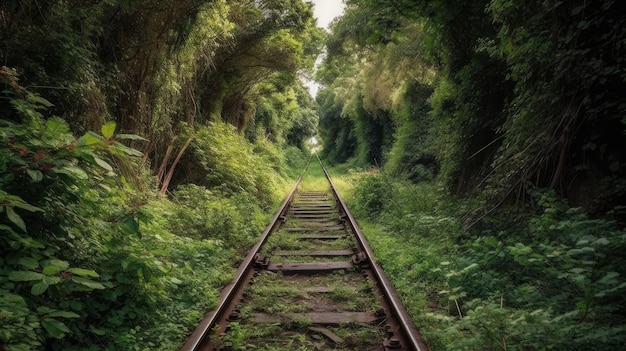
<point>554,283</point>
<point>93,261</point>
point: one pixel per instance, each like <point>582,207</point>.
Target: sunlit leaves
<point>84,272</point>
<point>108,129</point>
<point>90,138</point>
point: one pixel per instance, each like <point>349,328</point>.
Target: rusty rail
<point>410,334</point>
<point>404,335</point>
<point>242,276</point>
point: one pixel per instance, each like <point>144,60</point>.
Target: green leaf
<point>103,163</point>
<point>90,138</point>
<point>38,288</point>
<point>15,218</point>
<point>88,283</point>
<point>72,171</point>
<point>35,175</point>
<point>23,276</point>
<point>6,227</point>
<point>63,314</point>
<point>26,206</point>
<point>76,305</point>
<point>129,151</point>
<point>97,331</point>
<point>84,272</point>
<point>31,243</point>
<point>57,126</point>
<point>15,303</point>
<point>55,328</point>
<point>130,225</point>
<point>52,267</point>
<point>130,137</point>
<point>39,100</point>
<point>108,129</point>
<point>51,279</point>
<point>29,262</point>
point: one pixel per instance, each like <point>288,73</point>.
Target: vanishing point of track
<point>309,283</point>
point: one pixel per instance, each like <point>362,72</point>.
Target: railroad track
<point>310,283</point>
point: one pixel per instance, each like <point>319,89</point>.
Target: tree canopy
<point>511,94</point>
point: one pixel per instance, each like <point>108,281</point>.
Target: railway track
<point>310,283</point>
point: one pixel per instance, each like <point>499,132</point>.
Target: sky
<point>325,11</point>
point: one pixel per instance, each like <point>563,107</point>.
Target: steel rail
<point>411,335</point>
<point>196,339</point>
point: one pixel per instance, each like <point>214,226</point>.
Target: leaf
<point>72,171</point>
<point>84,272</point>
<point>15,218</point>
<point>90,138</point>
<point>26,206</point>
<point>97,331</point>
<point>130,137</point>
<point>55,328</point>
<point>16,303</point>
<point>35,175</point>
<point>39,100</point>
<point>108,129</point>
<point>39,288</point>
<point>29,262</point>
<point>57,126</point>
<point>88,283</point>
<point>129,151</point>
<point>51,279</point>
<point>23,276</point>
<point>31,243</point>
<point>52,267</point>
<point>103,163</point>
<point>176,281</point>
<point>63,314</point>
<point>130,225</point>
<point>76,305</point>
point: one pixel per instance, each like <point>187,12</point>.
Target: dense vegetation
<point>497,129</point>
<point>143,143</point>
<point>143,146</point>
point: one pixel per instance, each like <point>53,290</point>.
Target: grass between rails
<point>288,296</point>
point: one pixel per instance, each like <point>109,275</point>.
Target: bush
<point>87,261</point>
<point>559,285</point>
<point>235,220</point>
<point>220,158</point>
<point>555,283</point>
<point>370,194</point>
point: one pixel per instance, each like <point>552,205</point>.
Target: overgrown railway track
<point>309,283</point>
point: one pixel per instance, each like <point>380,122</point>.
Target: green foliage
<point>412,154</point>
<point>219,157</point>
<point>153,64</point>
<point>564,76</point>
<point>558,284</point>
<point>336,132</point>
<point>235,220</point>
<point>88,259</point>
<point>523,98</point>
<point>560,287</point>
<point>90,263</point>
<point>285,113</point>
<point>369,196</point>
<point>43,171</point>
